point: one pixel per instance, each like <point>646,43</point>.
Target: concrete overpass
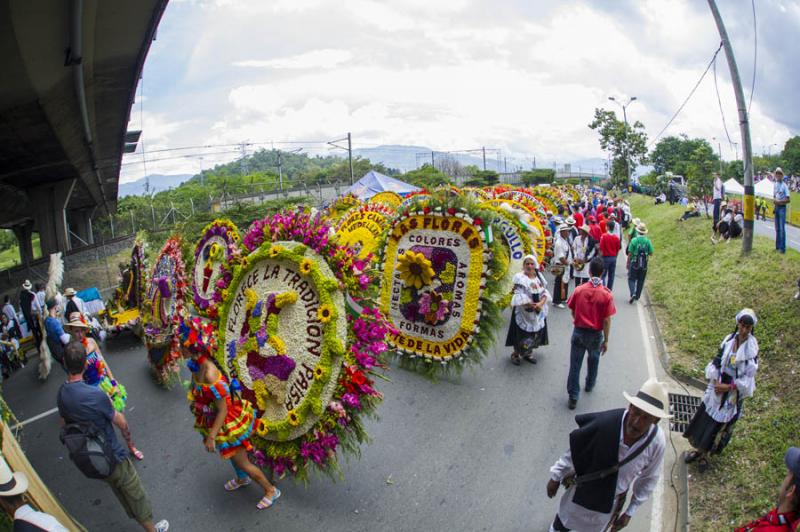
<point>70,70</point>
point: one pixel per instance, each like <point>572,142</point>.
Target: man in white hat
<point>640,250</point>
<point>782,197</point>
<point>74,303</point>
<point>31,310</point>
<point>12,488</point>
<point>610,454</point>
<point>584,249</point>
<point>562,259</point>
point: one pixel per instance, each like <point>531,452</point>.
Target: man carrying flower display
<point>610,454</point>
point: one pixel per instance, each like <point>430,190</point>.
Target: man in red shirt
<point>594,229</point>
<point>592,306</point>
<point>786,516</point>
<point>609,248</point>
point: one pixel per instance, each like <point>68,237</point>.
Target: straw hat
<point>76,322</point>
<point>652,398</point>
<point>69,292</point>
<point>778,170</point>
<point>584,228</point>
<point>11,483</point>
<point>27,284</point>
<point>636,221</point>
<point>563,227</point>
<point>641,228</point>
<point>570,221</point>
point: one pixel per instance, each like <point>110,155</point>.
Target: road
<point>767,228</point>
<point>467,454</point>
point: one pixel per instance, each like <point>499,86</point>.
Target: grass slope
<point>697,289</point>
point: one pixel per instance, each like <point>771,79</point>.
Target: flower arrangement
<point>388,198</point>
<point>162,307</point>
<point>439,284</point>
<point>364,228</point>
<point>305,363</point>
<point>419,196</point>
<point>338,207</point>
<point>215,252</point>
<point>139,270</point>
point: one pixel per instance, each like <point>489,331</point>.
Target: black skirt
<point>703,430</point>
<point>517,335</point>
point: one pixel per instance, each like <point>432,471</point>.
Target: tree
<point>626,143</point>
<point>483,178</point>
<point>426,177</point>
<point>790,156</point>
<point>676,154</point>
<point>700,169</point>
<point>539,176</point>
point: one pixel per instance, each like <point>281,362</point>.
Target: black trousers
<point>558,287</point>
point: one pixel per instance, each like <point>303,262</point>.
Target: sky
<point>520,76</point>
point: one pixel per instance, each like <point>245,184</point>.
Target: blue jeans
<point>583,340</point>
<point>609,269</point>
<point>780,228</point>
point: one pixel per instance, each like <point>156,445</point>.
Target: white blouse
<point>582,251</point>
<point>742,366</point>
<point>524,289</point>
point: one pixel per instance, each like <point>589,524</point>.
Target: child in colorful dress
<point>97,373</point>
<point>224,419</point>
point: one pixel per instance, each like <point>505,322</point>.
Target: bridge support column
<point>49,204</point>
<point>80,223</point>
<point>23,232</point>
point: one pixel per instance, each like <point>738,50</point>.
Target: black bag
<point>89,449</point>
<point>639,261</point>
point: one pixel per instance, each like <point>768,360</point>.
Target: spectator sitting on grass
<point>692,211</point>
<point>785,517</point>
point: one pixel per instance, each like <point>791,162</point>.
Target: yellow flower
<point>415,270</point>
<point>319,373</point>
<point>293,418</point>
<point>274,251</point>
<point>306,265</point>
<point>262,429</point>
<point>251,297</point>
<point>325,313</point>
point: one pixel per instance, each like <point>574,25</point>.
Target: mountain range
<point>158,182</point>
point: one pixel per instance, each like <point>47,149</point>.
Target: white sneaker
<point>561,305</point>
<point>162,526</point>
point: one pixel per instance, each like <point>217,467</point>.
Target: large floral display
<point>300,358</point>
<point>215,252</point>
<point>438,284</point>
<point>123,312</point>
<point>363,228</point>
<point>515,236</point>
<point>388,198</point>
<point>163,303</point>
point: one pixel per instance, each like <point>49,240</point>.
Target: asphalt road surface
<point>767,228</point>
<point>466,454</point>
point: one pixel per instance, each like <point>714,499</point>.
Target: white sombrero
<point>652,398</point>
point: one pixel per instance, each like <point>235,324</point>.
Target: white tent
<point>733,187</point>
<point>765,189</point>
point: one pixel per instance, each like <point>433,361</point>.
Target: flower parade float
<point>528,218</point>
<point>215,253</point>
<point>364,228</point>
<point>439,285</point>
<point>163,303</point>
<point>287,341</point>
<point>388,198</point>
<point>124,311</point>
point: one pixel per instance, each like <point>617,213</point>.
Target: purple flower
<point>232,349</point>
<point>351,400</point>
<point>261,335</point>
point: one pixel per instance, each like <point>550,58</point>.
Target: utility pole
<point>505,165</point>
<point>484,157</point>
<point>280,171</point>
<point>350,157</point>
<point>433,162</point>
<point>744,128</point>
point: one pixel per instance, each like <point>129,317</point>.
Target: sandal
<point>530,358</point>
<point>236,483</point>
<point>691,457</point>
<point>267,501</point>
<point>703,465</point>
<point>515,359</point>
<point>137,453</point>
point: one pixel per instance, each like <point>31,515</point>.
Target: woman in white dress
<point>731,378</point>
<point>530,306</point>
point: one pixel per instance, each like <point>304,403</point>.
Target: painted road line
<point>34,418</point>
<point>656,514</point>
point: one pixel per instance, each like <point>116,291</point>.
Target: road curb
<point>663,357</point>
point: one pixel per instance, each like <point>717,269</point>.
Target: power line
<point>755,56</point>
<point>719,101</point>
<point>691,93</point>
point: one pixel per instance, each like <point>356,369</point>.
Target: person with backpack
<point>55,336</point>
<point>640,250</point>
<point>731,378</point>
<point>610,454</point>
<point>88,432</point>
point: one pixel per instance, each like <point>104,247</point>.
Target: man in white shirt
<point>782,197</point>
<point>12,488</point>
<point>719,192</point>
<point>562,260</point>
<point>595,494</point>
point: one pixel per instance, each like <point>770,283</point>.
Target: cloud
<point>327,58</point>
<point>523,77</point>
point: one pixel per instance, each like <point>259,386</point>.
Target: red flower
<point>451,211</point>
<point>477,221</point>
<point>426,209</point>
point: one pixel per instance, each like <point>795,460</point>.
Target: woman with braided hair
<point>222,417</point>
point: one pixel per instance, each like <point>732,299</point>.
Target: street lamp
<point>625,117</point>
